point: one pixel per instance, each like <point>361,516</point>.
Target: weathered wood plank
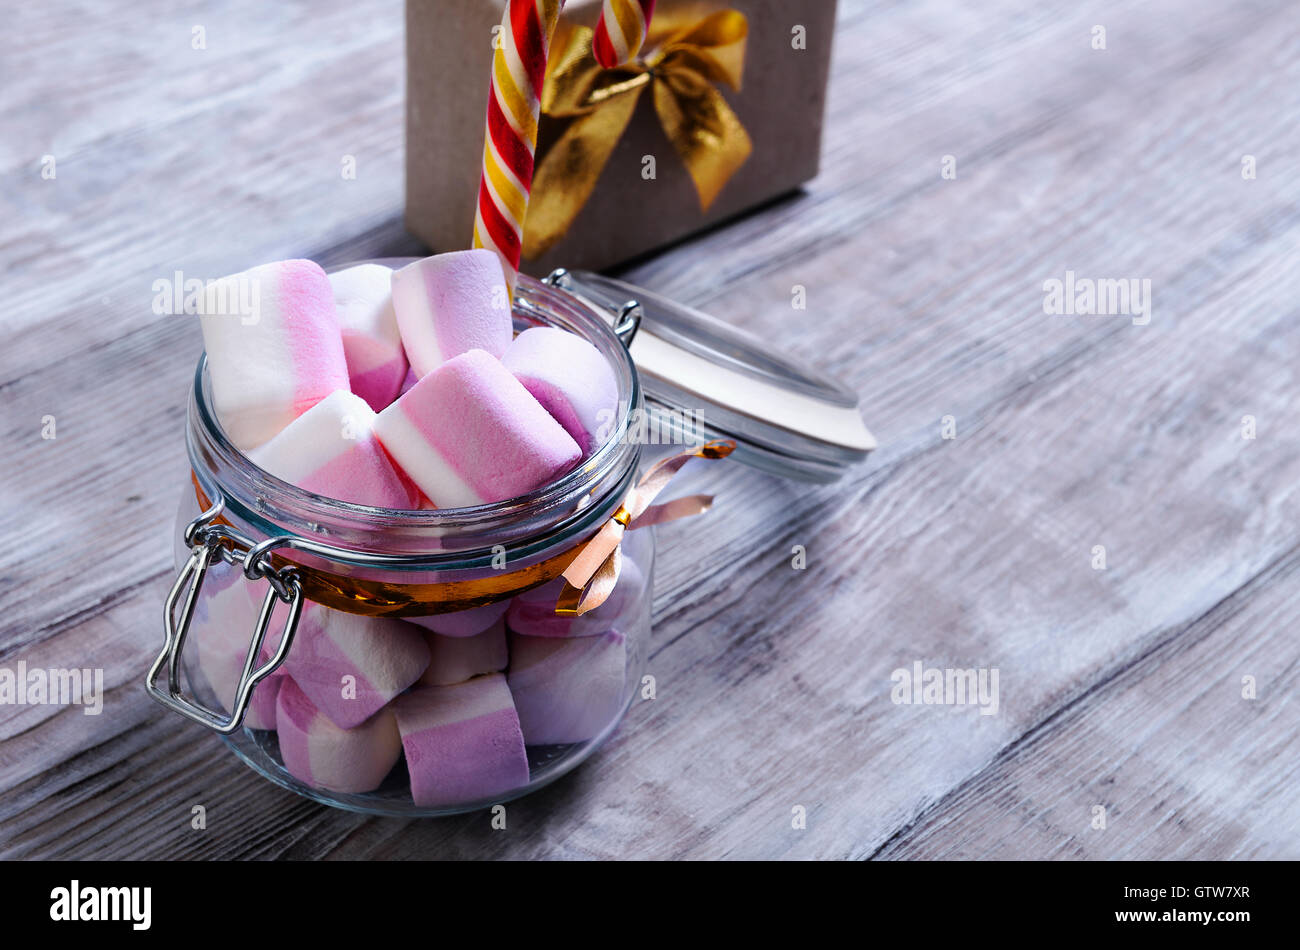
<point>205,161</point>
<point>1173,752</point>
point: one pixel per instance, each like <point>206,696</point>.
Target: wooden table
<point>1120,688</point>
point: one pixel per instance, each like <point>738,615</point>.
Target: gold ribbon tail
<point>686,507</point>
<point>592,574</point>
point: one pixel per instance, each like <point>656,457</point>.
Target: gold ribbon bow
<point>594,106</point>
<point>591,576</point>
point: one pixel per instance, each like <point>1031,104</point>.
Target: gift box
<point>721,111</point>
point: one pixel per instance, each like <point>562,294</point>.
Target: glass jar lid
<point>705,378</point>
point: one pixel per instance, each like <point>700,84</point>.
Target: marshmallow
<point>449,304</point>
<point>274,347</point>
<point>316,751</point>
<point>468,433</point>
<point>456,659</point>
<point>222,628</point>
<point>331,450</point>
<point>532,613</point>
<point>464,623</point>
<point>349,665</point>
<point>570,378</point>
<point>566,690</point>
<point>373,347</point>
<point>462,742</point>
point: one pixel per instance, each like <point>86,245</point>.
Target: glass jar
<point>254,550</point>
<point>268,571</point>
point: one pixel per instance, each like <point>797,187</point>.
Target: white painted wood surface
<point>1119,688</point>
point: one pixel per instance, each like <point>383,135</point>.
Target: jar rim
<point>535,304</point>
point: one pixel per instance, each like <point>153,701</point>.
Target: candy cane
<point>514,106</point>
<point>514,103</point>
<point>621,30</point>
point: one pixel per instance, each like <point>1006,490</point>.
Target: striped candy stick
<point>514,104</point>
<point>621,30</point>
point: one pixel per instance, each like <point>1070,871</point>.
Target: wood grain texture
<point>1119,687</point>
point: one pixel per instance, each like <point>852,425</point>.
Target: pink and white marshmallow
<point>274,347</point>
<point>350,665</point>
<point>464,623</point>
<point>468,433</point>
<point>331,450</point>
<point>450,304</point>
<point>456,659</point>
<point>371,341</point>
<point>570,378</point>
<point>318,752</point>
<point>462,742</point>
<point>566,690</point>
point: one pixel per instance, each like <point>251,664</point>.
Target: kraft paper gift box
<point>747,146</point>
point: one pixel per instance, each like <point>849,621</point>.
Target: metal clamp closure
<point>207,539</point>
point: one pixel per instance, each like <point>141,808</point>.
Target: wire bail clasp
<point>209,538</point>
<point>627,315</point>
